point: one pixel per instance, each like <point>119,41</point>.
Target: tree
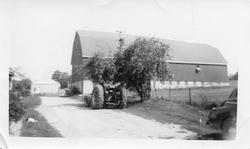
<point>16,109</point>
<point>142,61</point>
<point>19,82</point>
<point>61,77</point>
<point>101,70</point>
<point>23,86</point>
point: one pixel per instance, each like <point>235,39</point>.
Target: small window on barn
<point>197,69</point>
<point>34,89</point>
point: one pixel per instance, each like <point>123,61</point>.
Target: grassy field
<point>41,128</point>
<point>177,109</point>
<point>189,117</point>
<point>199,96</point>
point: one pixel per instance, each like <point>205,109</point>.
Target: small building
<point>48,87</point>
<point>192,64</point>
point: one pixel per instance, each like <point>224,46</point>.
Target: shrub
<point>71,91</point>
<point>74,90</point>
<point>16,109</point>
<point>25,92</point>
<point>68,92</point>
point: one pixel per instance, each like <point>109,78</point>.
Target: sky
<point>41,32</point>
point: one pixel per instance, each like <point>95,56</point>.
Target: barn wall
<point>208,73</point>
<point>186,84</point>
<point>78,85</point>
<point>78,72</point>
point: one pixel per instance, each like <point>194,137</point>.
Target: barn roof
<point>92,42</point>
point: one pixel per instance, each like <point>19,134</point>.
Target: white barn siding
<point>186,84</point>
<point>85,86</point>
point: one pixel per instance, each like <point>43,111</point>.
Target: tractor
<point>107,96</point>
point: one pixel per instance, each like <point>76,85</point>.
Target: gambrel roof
<point>90,42</point>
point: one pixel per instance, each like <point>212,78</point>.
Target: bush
<point>68,92</point>
<point>16,109</point>
<point>71,91</point>
<point>74,90</point>
<point>25,92</point>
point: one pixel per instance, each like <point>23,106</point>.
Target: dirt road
<point>72,119</point>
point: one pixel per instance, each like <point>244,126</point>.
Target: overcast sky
<point>42,31</point>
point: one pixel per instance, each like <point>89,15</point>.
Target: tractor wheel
<point>228,129</point>
<point>123,101</point>
<point>97,98</point>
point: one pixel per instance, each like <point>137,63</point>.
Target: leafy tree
<point>16,109</point>
<point>101,70</point>
<point>19,82</point>
<point>61,77</point>
<point>23,86</point>
<point>133,68</point>
<point>142,61</point>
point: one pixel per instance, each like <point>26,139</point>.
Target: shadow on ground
<point>211,136</point>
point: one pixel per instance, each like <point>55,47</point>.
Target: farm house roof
<point>92,42</point>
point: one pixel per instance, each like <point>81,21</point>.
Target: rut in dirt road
<point>71,119</point>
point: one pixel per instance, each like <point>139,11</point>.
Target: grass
<point>178,111</point>
<point>41,128</point>
<point>199,96</point>
<point>170,112</point>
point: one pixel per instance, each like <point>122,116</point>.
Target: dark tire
<point>97,98</point>
<point>123,101</point>
<point>228,129</point>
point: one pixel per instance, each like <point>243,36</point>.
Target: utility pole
<point>121,40</point>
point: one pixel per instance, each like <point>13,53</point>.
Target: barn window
<point>197,69</point>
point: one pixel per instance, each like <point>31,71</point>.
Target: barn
<point>192,64</point>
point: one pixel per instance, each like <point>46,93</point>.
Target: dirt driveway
<point>72,119</point>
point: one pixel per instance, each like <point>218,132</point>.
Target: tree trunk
<point>145,90</point>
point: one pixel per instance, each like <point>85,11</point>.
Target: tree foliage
<point>16,109</point>
<point>61,77</point>
<point>23,86</point>
<point>142,61</point>
<point>19,82</point>
<point>134,67</point>
<point>101,70</point>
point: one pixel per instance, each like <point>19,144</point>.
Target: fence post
<point>190,97</point>
<point>169,93</point>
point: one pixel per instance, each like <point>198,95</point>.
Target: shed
<point>45,87</point>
